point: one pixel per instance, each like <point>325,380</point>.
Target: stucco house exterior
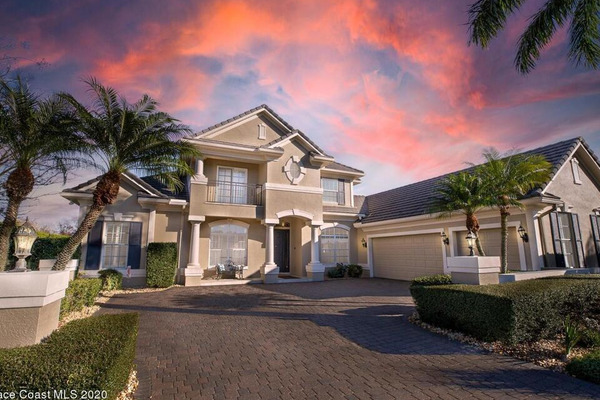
<point>267,197</point>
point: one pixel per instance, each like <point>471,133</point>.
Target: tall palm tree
<point>488,17</point>
<point>37,141</point>
<point>126,136</point>
<point>507,179</point>
<point>462,193</point>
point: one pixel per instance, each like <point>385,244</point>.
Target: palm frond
<point>487,18</point>
<point>585,34</point>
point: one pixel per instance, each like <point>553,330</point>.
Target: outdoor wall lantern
<point>471,237</point>
<point>24,238</point>
<point>445,239</point>
<point>523,234</point>
<point>364,243</point>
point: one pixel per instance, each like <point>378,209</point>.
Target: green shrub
<point>161,264</point>
<point>511,312</point>
<point>586,367</point>
<point>82,292</point>
<point>432,280</point>
<point>590,338</point>
<point>354,270</point>
<point>111,279</point>
<point>89,354</point>
<point>338,272</point>
<point>44,248</point>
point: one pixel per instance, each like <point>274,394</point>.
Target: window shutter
<point>596,230</point>
<point>578,241</point>
<point>341,192</point>
<point>558,253</point>
<point>94,246</point>
<point>135,245</point>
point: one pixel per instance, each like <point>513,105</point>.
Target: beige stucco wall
<point>247,133</point>
<point>278,200</point>
<point>27,326</point>
<point>579,199</point>
<point>167,226</point>
<point>275,172</point>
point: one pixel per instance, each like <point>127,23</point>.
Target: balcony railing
<point>234,193</point>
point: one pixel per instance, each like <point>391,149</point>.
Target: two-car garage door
<point>407,257</point>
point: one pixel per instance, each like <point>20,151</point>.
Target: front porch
<point>545,273</point>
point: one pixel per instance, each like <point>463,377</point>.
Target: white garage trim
<point>405,233</point>
<point>511,224</point>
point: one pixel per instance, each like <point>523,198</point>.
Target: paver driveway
<point>338,339</point>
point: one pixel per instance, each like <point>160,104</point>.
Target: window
<point>335,246</point>
<point>228,242</point>
<point>262,131</point>
<point>568,246</point>
<point>232,185</point>
<point>595,219</point>
<point>115,244</point>
<point>333,190</point>
<point>575,169</point>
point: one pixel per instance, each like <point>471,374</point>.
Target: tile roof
<point>164,190</point>
<point>417,198</point>
<point>342,167</point>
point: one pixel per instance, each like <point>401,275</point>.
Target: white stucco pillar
<point>151,225</point>
<point>194,261</point>
<point>269,271</point>
<point>535,239</point>
<point>315,270</point>
<point>200,167</point>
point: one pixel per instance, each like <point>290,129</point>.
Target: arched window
<point>228,242</point>
<point>335,246</point>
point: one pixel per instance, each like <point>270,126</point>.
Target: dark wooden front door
<point>282,250</point>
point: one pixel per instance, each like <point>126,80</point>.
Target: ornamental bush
<point>354,270</point>
<point>338,272</point>
<point>161,264</point>
<point>511,312</point>
<point>432,280</point>
<point>81,292</point>
<point>90,354</point>
<point>586,367</point>
<point>111,279</point>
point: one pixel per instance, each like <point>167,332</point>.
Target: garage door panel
<point>407,257</point>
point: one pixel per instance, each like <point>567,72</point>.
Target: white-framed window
<point>232,185</point>
<point>115,244</point>
<point>576,172</point>
<point>262,131</point>
<point>335,245</point>
<point>333,190</point>
<point>228,242</point>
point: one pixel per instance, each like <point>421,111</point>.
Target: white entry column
<point>269,271</point>
<point>194,261</point>
<point>534,237</point>
<point>315,270</point>
<point>192,273</point>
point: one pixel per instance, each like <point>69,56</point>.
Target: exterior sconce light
<point>523,234</point>
<point>24,238</point>
<point>471,237</point>
<point>445,239</point>
<point>364,243</point>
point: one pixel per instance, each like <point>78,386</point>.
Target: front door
<point>282,250</point>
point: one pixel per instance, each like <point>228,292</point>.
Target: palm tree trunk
<point>19,185</point>
<point>105,193</point>
<point>473,226</point>
<point>65,254</point>
<point>504,243</point>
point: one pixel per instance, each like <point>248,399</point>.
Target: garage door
<point>407,257</point>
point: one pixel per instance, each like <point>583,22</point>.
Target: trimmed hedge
<point>44,248</point>
<point>89,354</point>
<point>355,270</point>
<point>338,272</point>
<point>111,279</point>
<point>586,367</point>
<point>161,264</point>
<point>432,280</point>
<point>512,312</point>
<point>81,292</point>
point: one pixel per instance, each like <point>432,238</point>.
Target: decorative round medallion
<point>294,170</point>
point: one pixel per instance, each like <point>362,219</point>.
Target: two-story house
<point>263,196</point>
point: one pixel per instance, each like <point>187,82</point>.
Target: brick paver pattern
<point>347,339</point>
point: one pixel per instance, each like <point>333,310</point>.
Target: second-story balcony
<point>234,193</point>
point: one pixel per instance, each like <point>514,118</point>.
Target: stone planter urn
<point>473,270</point>
<point>30,305</point>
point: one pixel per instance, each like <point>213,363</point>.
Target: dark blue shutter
<point>578,241</point>
<point>595,219</point>
<point>94,247</point>
<point>135,245</point>
<point>558,253</point>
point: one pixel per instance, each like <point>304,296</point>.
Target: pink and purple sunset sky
<point>390,87</point>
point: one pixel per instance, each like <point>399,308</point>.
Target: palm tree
<point>507,179</point>
<point>461,192</point>
<point>126,136</point>
<point>488,17</point>
<point>38,143</point>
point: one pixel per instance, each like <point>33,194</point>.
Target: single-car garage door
<point>407,257</point>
